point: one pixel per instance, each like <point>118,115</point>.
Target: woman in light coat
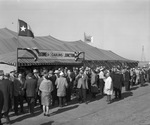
<point>46,87</point>
<point>108,88</point>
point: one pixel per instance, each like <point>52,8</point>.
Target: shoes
<point>48,115</point>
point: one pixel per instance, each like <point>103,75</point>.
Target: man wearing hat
<point>127,79</point>
<point>6,95</point>
<point>52,77</point>
<point>57,73</point>
<point>82,85</point>
<point>37,77</point>
<point>61,84</point>
<point>101,80</point>
<point>117,79</point>
<point>30,87</point>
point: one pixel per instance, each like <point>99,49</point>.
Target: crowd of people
<point>57,87</point>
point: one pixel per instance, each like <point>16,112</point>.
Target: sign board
<point>47,54</point>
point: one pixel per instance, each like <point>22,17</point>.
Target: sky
<point>122,26</point>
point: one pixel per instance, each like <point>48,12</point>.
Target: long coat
<point>30,86</point>
<point>108,88</point>
<point>94,79</point>
<point>6,91</point>
<point>46,86</point>
<point>117,79</point>
<point>62,84</point>
<point>1,101</point>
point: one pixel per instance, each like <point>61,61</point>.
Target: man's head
<point>7,76</point>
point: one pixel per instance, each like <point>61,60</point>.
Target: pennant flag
<point>25,29</point>
<point>88,39</point>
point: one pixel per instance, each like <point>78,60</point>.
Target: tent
<point>9,41</point>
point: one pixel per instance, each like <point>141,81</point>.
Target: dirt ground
<point>133,109</point>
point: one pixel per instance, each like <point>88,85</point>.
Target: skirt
<point>46,98</point>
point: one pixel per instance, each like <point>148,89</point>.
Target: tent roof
<point>9,41</point>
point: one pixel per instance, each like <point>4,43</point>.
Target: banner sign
<point>47,54</point>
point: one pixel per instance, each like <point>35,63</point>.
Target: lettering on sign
<point>45,54</point>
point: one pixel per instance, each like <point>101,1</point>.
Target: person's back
<point>117,80</point>
<point>46,86</point>
<point>30,86</point>
<point>62,84</point>
<point>127,76</point>
<point>6,90</point>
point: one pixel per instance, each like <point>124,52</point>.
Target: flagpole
<point>17,47</point>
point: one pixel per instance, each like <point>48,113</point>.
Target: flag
<point>25,29</point>
<point>88,39</point>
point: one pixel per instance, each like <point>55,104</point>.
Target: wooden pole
<point>17,61</point>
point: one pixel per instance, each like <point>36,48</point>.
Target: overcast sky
<point>122,26</point>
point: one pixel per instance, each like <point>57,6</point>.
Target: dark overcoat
<point>117,79</point>
<point>6,91</point>
<point>31,87</point>
<point>1,101</point>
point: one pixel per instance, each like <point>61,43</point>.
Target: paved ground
<point>133,109</point>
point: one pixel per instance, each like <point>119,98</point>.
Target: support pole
<point>17,62</point>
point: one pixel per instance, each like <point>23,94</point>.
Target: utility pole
<point>143,59</point>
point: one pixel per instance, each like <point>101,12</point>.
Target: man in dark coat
<point>30,87</point>
<point>1,103</point>
<point>117,79</point>
<point>37,77</point>
<point>6,95</point>
<point>127,79</point>
<point>52,77</point>
<point>70,80</point>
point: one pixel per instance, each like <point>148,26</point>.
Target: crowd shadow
<point>144,85</point>
<point>47,123</point>
<point>123,96</point>
<point>134,88</point>
<point>19,118</point>
<point>98,97</point>
<point>89,99</point>
<point>127,94</point>
<point>64,109</point>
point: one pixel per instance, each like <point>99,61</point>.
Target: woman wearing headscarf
<point>108,88</point>
<point>46,87</point>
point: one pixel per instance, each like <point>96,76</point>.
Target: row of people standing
<point>51,87</point>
